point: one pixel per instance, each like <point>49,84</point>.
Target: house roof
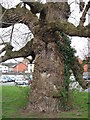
<point>21,67</point>
<point>19,63</point>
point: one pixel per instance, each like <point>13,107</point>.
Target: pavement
<point>7,84</point>
<point>11,84</point>
<point>73,85</point>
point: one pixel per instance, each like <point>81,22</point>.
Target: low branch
<point>78,73</point>
<point>69,28</point>
<point>24,52</point>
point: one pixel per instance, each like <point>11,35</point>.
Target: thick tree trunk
<point>48,79</point>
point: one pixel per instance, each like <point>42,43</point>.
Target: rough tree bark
<point>48,77</point>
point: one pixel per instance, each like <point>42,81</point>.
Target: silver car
<point>3,79</point>
<point>21,81</point>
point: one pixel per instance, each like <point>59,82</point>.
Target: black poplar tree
<point>50,47</point>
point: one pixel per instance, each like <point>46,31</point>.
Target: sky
<point>80,44</point>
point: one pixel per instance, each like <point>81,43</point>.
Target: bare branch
<point>82,19</point>
<point>81,5</point>
<point>4,43</point>
<point>19,15</point>
<point>11,34</point>
<point>23,52</point>
<point>2,50</point>
<point>7,47</point>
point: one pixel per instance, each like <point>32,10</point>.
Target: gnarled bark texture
<point>47,79</point>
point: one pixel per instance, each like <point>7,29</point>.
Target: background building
<point>20,67</point>
<point>4,69</point>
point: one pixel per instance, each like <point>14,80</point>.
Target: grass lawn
<point>14,98</point>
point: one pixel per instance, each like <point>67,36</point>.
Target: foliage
<point>68,55</point>
<point>67,51</point>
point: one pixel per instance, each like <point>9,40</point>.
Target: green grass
<point>14,98</point>
<point>79,102</point>
<point>0,103</point>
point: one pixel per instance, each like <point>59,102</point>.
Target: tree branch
<point>7,47</point>
<point>36,7</point>
<point>18,15</point>
<point>69,28</point>
<point>24,52</point>
<point>78,73</point>
<point>2,50</point>
<point>82,19</point>
<point>4,43</point>
<point>81,5</point>
<point>11,34</point>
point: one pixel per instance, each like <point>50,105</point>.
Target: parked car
<point>86,77</point>
<point>21,81</point>
<point>26,78</point>
<point>3,79</point>
<point>9,79</point>
<point>13,79</point>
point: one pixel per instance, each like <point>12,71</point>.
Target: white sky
<point>80,44</point>
<point>21,35</point>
